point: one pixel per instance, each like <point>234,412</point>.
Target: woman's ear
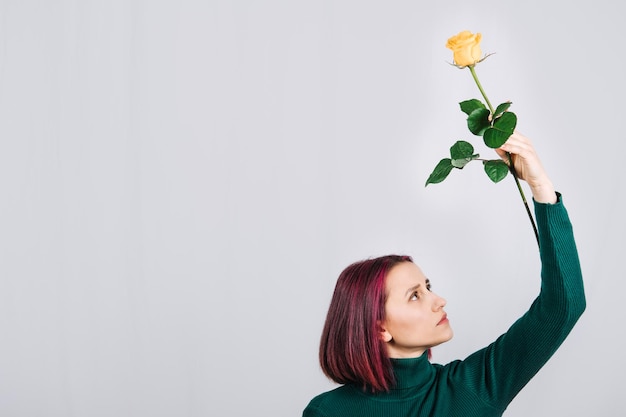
<point>384,334</point>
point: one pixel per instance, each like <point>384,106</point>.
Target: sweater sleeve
<point>498,372</point>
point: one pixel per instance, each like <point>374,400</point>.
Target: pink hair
<point>351,347</point>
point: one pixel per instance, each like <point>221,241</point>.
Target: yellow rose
<point>465,48</point>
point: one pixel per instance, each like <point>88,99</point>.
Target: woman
<point>383,320</point>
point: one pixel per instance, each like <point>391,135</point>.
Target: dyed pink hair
<point>351,347</point>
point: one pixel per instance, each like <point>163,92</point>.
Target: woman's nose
<point>439,303</point>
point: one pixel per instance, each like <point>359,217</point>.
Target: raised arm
<point>498,372</point>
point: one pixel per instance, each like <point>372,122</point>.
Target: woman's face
<point>415,320</point>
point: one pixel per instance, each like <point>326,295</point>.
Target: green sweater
<point>485,383</point>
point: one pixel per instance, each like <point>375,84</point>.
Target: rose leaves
<point>495,130</point>
<point>460,154</point>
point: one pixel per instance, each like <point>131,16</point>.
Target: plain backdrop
<point>181,182</point>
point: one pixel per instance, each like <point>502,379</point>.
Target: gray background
<point>181,182</point>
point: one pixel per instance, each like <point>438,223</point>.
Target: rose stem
<point>511,166</point>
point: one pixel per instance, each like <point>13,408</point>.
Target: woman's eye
<point>414,296</point>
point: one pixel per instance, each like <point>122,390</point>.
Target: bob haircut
<point>351,347</point>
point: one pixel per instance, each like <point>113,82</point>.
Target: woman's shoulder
<point>328,401</point>
<point>341,392</point>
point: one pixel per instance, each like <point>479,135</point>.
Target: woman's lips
<point>443,320</point>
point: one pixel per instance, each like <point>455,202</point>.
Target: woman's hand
<point>528,167</point>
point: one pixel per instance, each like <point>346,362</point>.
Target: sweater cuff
<point>558,201</point>
<point>551,218</point>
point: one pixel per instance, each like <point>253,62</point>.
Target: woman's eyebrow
<point>413,288</point>
<point>416,287</point>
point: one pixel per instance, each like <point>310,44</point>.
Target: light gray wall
<point>182,181</point>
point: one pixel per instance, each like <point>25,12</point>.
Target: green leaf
<point>461,149</point>
<point>468,106</point>
<point>502,128</point>
<point>461,153</point>
<point>478,121</point>
<point>502,108</point>
<point>440,172</point>
<point>496,169</point>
